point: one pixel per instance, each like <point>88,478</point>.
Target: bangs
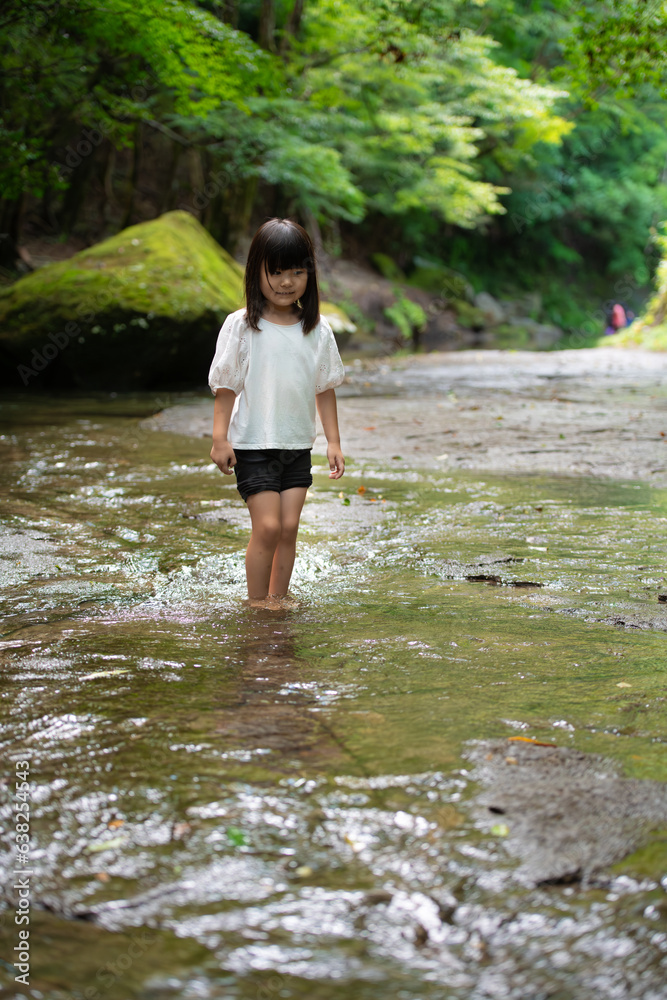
<point>286,248</point>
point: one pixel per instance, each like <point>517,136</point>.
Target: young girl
<point>275,361</point>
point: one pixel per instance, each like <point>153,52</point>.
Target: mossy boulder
<point>139,310</point>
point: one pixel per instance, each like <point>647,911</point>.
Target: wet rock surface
<point>595,412</point>
<point>566,815</point>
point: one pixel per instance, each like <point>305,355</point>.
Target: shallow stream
<point>234,803</point>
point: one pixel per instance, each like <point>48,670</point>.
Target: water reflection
<point>277,711</point>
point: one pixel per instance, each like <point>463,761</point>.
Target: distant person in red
<point>617,320</point>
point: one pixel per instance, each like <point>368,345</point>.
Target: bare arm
<point>326,407</point>
<point>222,452</point>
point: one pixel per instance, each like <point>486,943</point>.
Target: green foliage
<point>619,46</point>
<point>407,315</point>
<point>519,144</point>
<point>106,66</point>
<point>650,330</point>
<point>580,214</point>
<point>410,104</point>
<point>387,267</point>
<point>469,315</point>
<point>438,279</point>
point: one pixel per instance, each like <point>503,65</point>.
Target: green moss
<point>140,309</point>
<point>649,861</point>
<point>651,338</point>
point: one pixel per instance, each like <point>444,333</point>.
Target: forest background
<point>522,144</point>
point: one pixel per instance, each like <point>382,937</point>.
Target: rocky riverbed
<point>594,412</point>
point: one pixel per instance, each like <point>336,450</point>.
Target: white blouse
<point>276,374</point>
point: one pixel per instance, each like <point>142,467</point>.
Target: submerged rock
<point>139,310</point>
<point>566,814</point>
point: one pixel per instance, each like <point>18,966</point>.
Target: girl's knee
<point>289,530</point>
<point>267,531</point>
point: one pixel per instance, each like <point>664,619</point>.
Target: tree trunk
<point>267,25</point>
<point>293,25</point>
<point>312,227</point>
<point>229,12</point>
<point>10,218</point>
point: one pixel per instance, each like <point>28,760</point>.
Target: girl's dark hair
<point>278,245</point>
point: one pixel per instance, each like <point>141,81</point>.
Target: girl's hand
<point>223,455</point>
<point>336,461</point>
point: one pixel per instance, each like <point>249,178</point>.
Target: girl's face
<point>282,288</point>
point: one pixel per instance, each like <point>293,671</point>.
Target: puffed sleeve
<point>329,371</point>
<point>230,362</point>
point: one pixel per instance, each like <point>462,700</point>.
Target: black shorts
<point>275,469</point>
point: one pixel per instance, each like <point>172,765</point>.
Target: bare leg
<point>265,510</point>
<point>291,505</point>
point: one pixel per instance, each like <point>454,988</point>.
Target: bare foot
<point>287,601</point>
<point>269,603</point>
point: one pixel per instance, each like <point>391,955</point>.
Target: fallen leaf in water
<point>106,845</point>
<point>500,830</point>
<point>236,836</point>
<point>115,823</point>
<point>361,489</point>
<point>396,458</point>
<point>356,847</point>
<point>103,877</point>
<point>527,739</point>
<point>103,673</point>
<point>345,501</point>
<point>304,871</point>
<point>369,428</point>
<point>511,760</point>
<point>441,458</point>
